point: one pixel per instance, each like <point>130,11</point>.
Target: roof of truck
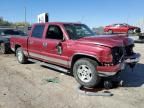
<point>60,23</point>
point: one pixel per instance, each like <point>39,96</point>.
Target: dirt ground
<point>24,86</point>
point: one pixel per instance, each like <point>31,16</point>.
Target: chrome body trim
<point>51,59</point>
<point>50,65</point>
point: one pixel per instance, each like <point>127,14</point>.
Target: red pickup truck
<point>75,47</point>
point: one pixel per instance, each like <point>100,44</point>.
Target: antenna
<point>25,12</point>
<point>25,17</point>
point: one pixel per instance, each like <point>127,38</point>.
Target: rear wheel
<point>20,56</point>
<point>85,72</point>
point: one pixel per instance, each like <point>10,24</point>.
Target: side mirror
<point>59,47</point>
<point>59,50</point>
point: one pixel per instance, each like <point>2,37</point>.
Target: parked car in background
<point>5,34</point>
<point>121,28</point>
<point>76,48</point>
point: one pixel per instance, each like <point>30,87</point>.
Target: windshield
<point>76,31</point>
<point>126,24</point>
<point>11,32</point>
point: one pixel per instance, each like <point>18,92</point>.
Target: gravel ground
<point>24,86</point>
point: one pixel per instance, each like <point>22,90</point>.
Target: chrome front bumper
<point>133,59</point>
<point>113,70</point>
<point>110,70</point>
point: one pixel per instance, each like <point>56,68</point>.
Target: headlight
<point>117,53</point>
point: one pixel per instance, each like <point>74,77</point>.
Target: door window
<point>54,32</point>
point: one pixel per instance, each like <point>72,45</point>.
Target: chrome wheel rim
<point>84,73</point>
<point>19,55</point>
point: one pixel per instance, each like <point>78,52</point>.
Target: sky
<point>94,13</point>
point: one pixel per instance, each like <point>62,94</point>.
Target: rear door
<point>35,42</point>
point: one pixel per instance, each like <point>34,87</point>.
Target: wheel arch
<point>16,47</point>
<point>77,56</point>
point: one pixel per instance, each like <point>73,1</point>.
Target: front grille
<point>129,50</point>
<point>117,53</point>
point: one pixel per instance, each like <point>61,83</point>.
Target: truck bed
<point>19,40</point>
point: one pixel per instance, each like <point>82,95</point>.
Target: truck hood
<point>107,40</point>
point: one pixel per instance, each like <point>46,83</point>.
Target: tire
<point>110,32</point>
<point>108,84</point>
<point>20,56</point>
<point>130,31</point>
<point>84,71</point>
<point>3,48</point>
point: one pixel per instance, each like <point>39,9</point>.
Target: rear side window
<point>38,31</point>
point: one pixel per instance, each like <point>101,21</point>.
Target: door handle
<point>31,42</point>
<point>45,44</point>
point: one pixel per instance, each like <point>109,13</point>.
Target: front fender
<point>81,55</point>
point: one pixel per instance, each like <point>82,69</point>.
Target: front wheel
<point>85,72</point>
<point>20,56</point>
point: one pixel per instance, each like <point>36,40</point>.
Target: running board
<point>50,65</point>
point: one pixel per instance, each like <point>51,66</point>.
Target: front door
<point>55,46</point>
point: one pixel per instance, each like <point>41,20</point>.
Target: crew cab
<point>75,47</point>
<point>121,28</point>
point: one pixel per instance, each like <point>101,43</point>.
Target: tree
<point>98,30</point>
<point>22,24</point>
<point>7,23</point>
